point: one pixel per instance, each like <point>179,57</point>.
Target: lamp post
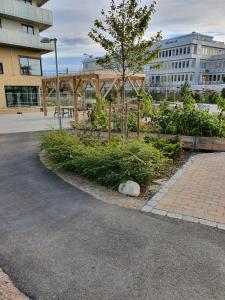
<point>58,100</point>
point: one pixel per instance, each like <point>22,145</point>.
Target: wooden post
<point>75,102</point>
<point>138,120</point>
<point>110,120</point>
<point>126,119</point>
<point>45,104</point>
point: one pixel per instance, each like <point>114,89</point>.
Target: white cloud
<point>74,18</point>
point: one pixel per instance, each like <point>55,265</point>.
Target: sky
<point>74,18</point>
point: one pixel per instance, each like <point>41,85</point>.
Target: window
<point>180,65</point>
<point>187,64</point>
<point>176,64</point>
<point>188,50</point>
<point>30,66</point>
<point>22,96</point>
<point>185,50</point>
<point>170,52</point>
<point>0,23</point>
<point>177,51</point>
<point>173,52</point>
<point>166,53</point>
<point>28,29</point>
<point>184,63</point>
<point>1,69</point>
<point>181,51</point>
<point>28,1</point>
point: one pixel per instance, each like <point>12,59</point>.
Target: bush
<point>188,122</point>
<point>107,163</point>
<point>171,148</point>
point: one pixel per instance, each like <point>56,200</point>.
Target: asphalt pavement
<point>56,242</point>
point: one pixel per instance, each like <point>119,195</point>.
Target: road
<point>57,242</point>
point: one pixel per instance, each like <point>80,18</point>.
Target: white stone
<point>130,188</point>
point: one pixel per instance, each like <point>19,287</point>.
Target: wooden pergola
<point>103,82</point>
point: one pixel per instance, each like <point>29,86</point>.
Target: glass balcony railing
<point>22,11</point>
<point>20,39</point>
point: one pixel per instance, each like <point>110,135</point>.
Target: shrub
<point>107,163</point>
<point>188,122</point>
<point>171,148</point>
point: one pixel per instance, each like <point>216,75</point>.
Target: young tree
<point>121,32</point>
<point>187,97</point>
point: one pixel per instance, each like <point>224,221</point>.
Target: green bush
<point>188,122</point>
<point>107,163</point>
<point>171,148</point>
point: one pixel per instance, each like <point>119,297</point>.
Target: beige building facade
<point>21,25</point>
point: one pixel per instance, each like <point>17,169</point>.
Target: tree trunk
<point>123,105</point>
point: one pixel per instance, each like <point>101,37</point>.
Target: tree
<point>121,34</point>
<point>187,97</point>
<point>220,101</point>
<point>223,93</point>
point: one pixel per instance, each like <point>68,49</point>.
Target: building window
<point>30,66</point>
<point>1,69</point>
<point>174,52</point>
<point>28,1</point>
<point>0,23</point>
<point>181,51</point>
<point>180,65</point>
<point>170,52</point>
<point>20,96</point>
<point>185,50</point>
<point>177,51</point>
<point>184,63</point>
<point>27,29</point>
<point>187,64</point>
<point>188,50</point>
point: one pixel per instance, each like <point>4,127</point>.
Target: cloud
<point>76,41</point>
<point>73,20</point>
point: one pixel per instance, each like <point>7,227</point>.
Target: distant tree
<point>223,93</point>
<point>199,98</point>
<point>187,97</point>
<point>220,101</point>
<point>121,33</point>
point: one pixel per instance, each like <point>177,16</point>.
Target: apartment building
<point>194,58</point>
<point>21,23</point>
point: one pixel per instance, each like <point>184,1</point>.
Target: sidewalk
<point>28,122</point>
<point>196,193</point>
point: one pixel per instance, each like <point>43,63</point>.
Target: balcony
<point>24,40</point>
<point>18,10</point>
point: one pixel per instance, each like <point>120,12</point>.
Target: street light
<point>46,40</point>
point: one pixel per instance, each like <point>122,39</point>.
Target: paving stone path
<point>195,193</point>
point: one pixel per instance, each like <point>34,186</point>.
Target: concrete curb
<point>150,207</point>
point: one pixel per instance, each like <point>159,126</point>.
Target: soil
<point>7,290</point>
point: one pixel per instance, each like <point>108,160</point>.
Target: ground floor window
<point>17,96</point>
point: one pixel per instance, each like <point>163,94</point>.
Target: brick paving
<point>196,193</point>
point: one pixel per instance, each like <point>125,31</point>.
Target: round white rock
<point>130,188</point>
